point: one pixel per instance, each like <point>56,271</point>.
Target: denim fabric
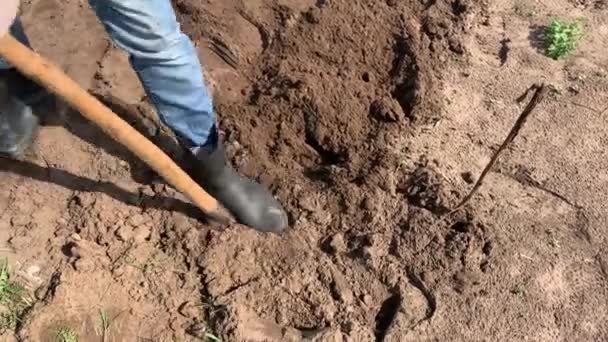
<point>165,61</point>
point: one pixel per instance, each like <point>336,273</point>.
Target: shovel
<point>56,81</point>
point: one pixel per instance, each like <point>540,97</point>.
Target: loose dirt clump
<point>369,120</point>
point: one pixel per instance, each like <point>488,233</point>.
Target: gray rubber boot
<point>18,124</point>
<point>248,201</point>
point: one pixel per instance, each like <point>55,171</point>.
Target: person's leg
<point>168,66</point>
<point>166,63</point>
<point>20,86</point>
<point>18,124</point>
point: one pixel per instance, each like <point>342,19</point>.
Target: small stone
<point>337,243</point>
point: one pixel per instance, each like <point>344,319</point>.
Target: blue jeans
<point>165,61</point>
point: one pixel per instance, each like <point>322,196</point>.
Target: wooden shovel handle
<point>51,77</point>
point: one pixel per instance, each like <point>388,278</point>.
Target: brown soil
<point>369,120</point>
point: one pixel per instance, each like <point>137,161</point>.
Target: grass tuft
<point>104,324</point>
<point>13,299</point>
<point>66,334</point>
<point>562,37</point>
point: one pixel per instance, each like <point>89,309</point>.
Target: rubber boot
<point>18,124</point>
<point>249,202</point>
<point>19,86</point>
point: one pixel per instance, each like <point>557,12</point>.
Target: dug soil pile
<point>370,120</point>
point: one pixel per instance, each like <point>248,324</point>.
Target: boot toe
<point>274,220</point>
<point>263,213</point>
<point>255,206</point>
<point>248,201</point>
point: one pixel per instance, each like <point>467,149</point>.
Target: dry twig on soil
<point>540,91</point>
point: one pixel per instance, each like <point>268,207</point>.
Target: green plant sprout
<point>66,334</point>
<point>105,324</point>
<point>562,37</point>
<point>13,298</point>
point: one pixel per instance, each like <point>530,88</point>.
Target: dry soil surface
<point>370,120</point>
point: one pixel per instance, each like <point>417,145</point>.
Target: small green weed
<point>66,334</point>
<point>13,298</point>
<point>105,324</point>
<point>435,262</point>
<point>562,37</point>
<point>148,267</point>
<point>212,337</point>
